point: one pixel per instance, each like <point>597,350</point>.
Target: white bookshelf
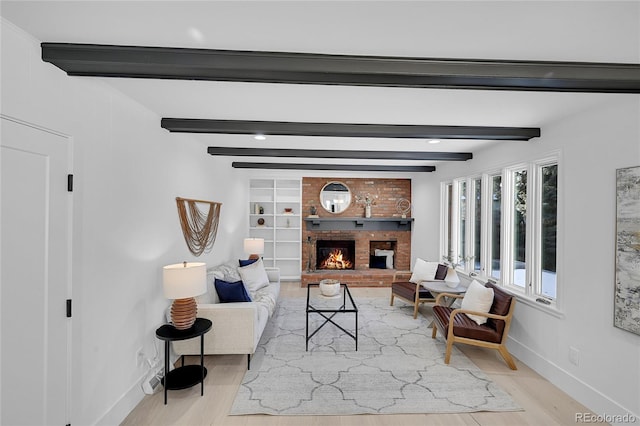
<point>282,232</point>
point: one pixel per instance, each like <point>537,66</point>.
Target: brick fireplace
<point>385,230</point>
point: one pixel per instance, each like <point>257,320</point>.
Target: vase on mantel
<point>367,211</point>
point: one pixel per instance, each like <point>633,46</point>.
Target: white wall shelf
<point>282,231</point>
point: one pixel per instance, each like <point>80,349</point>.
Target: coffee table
<point>329,307</point>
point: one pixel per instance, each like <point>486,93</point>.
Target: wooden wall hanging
<point>199,228</point>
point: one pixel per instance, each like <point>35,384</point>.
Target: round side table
<point>184,376</point>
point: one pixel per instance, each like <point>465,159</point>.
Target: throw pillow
<point>378,262</point>
<point>423,271</point>
<point>231,292</point>
<point>246,262</point>
<point>388,254</point>
<point>254,276</point>
<point>477,298</point>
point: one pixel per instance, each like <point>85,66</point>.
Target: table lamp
<point>452,280</point>
<point>182,282</point>
<point>254,247</point>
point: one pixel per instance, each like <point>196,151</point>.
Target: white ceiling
<point>602,31</point>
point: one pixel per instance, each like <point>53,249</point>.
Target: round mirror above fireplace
<point>335,197</point>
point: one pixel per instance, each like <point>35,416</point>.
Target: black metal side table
<point>184,376</point>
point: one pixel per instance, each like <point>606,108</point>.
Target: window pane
<point>548,229</point>
<point>449,195</point>
<point>519,227</point>
<point>477,225</point>
<point>496,217</point>
<point>462,215</point>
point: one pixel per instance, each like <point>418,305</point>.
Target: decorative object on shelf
<point>329,287</point>
<point>627,288</point>
<point>182,282</point>
<point>335,197</point>
<point>403,206</point>
<point>313,211</point>
<point>288,223</point>
<point>452,280</point>
<point>256,208</point>
<point>261,210</point>
<point>288,210</point>
<point>199,229</point>
<point>367,200</point>
<point>260,221</point>
<point>254,247</point>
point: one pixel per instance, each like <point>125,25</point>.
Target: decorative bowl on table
<point>329,287</point>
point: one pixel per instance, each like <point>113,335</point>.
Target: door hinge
<point>69,183</point>
<point>68,308</point>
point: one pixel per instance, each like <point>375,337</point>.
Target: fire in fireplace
<point>335,254</point>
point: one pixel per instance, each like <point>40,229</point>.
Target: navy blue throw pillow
<point>246,262</point>
<point>378,262</point>
<point>231,292</point>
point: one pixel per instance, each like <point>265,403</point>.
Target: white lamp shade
<point>184,280</point>
<point>254,245</point>
<point>452,279</point>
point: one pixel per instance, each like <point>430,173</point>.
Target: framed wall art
<point>626,310</point>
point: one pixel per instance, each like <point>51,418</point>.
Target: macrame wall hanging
<point>198,226</point>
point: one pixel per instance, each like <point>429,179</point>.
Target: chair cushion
<point>500,306</point>
<point>441,272</point>
<point>464,326</point>
<point>407,290</point>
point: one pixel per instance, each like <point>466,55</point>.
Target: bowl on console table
<point>329,287</point>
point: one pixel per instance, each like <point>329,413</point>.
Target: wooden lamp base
<point>183,313</point>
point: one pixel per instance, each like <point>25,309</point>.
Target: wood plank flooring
<point>543,403</point>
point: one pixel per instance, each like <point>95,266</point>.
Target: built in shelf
<point>358,224</point>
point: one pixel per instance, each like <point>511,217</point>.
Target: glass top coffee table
<point>329,307</point>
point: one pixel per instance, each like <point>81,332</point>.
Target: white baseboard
<point>582,392</point>
<point>121,409</point>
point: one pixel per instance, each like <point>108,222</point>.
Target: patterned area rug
<point>398,367</point>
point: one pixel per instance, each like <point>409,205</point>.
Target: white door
<point>35,247</point>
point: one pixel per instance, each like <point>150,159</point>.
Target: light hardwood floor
<point>543,403</point>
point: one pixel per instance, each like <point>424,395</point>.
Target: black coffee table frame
<point>324,313</point>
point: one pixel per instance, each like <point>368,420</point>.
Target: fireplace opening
<point>335,254</point>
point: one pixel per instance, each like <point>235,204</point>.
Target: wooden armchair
<point>459,328</point>
<point>413,294</point>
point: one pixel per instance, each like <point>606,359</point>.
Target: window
<point>493,269</point>
<point>548,229</point>
<point>462,224</point>
<point>519,228</point>
<point>476,208</point>
<point>503,225</point>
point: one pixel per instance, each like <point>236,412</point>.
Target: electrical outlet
<point>574,355</point>
<point>140,357</point>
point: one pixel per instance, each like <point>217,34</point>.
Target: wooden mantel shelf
<point>358,224</point>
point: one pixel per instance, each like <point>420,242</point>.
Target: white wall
<point>128,172</point>
<point>592,145</point>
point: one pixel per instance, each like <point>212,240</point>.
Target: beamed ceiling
<point>338,104</point>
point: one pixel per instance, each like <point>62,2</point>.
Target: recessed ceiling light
<point>434,141</point>
<point>260,137</point>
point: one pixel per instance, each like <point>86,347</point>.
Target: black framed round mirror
<point>335,197</point>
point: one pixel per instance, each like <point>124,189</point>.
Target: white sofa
<point>237,326</point>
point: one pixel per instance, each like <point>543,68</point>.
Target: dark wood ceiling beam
<point>338,167</point>
<point>245,127</point>
<point>326,153</point>
<point>351,70</point>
